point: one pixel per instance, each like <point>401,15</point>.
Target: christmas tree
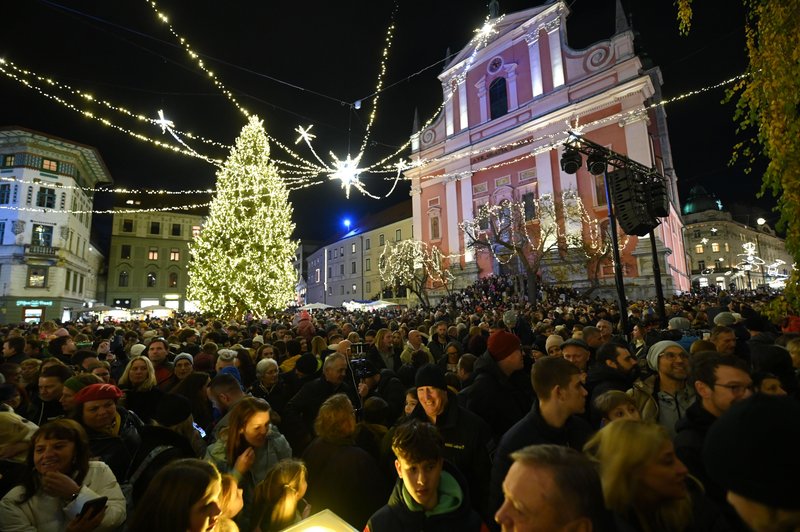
<point>241,261</point>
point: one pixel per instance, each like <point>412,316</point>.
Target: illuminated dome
<point>700,200</point>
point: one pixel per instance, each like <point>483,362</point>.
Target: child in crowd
<point>616,405</point>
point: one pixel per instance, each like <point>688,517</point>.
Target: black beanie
<point>172,409</point>
<point>430,375</point>
<point>752,450</point>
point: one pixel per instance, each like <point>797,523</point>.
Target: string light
<point>401,261</point>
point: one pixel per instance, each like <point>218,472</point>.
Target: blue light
<point>347,223</point>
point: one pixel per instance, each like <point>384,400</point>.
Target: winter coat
<point>391,390</point>
<point>453,513</point>
<point>409,350</point>
<point>651,403</point>
<point>345,479</point>
<point>117,451</point>
<point>43,411</point>
<point>45,513</point>
<point>493,397</point>
<point>275,450</point>
<point>532,430</point>
<point>374,356</point>
<point>277,396</point>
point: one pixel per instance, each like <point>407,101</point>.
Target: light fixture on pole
<point>570,160</point>
<point>596,163</point>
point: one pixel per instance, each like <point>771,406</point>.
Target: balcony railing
<point>46,251</point>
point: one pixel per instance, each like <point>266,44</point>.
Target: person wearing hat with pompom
<point>752,452</point>
<point>492,395</point>
<point>114,433</point>
<point>467,438</point>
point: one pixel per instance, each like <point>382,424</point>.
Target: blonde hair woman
<point>280,493</point>
<point>645,485</point>
<point>138,381</point>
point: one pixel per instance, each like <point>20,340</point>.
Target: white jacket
<point>45,513</point>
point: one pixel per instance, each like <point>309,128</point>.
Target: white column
<point>511,79</point>
<point>556,60</point>
<point>544,174</point>
<point>448,110</point>
<point>481,86</point>
<point>463,122</point>
<point>637,142</point>
<point>535,63</point>
<point>451,203</point>
<point>416,210</point>
<point>465,184</point>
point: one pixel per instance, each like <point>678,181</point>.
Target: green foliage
<point>242,261</point>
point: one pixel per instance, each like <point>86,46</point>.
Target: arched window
<point>151,280</point>
<point>498,98</point>
<point>123,279</point>
<point>173,280</point>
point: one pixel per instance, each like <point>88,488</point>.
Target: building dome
<point>700,200</point>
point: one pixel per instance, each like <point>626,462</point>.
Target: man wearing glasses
<point>720,381</point>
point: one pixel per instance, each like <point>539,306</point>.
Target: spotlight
<point>596,163</point>
<point>570,160</point>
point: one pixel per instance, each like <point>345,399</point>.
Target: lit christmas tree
<point>242,260</point>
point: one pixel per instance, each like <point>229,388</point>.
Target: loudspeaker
<point>630,199</point>
<point>657,199</point>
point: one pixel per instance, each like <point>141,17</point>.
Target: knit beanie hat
<point>430,375</point>
<point>510,318</point>
<point>307,364</point>
<point>97,392</point>
<point>136,349</point>
<point>172,409</point>
<point>75,384</point>
<point>184,356</point>
<point>204,362</point>
<point>725,319</point>
<point>656,349</point>
<point>501,344</point>
<point>679,323</point>
<point>553,340</point>
<point>751,450</point>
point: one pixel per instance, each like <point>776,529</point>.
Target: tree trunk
<point>533,283</point>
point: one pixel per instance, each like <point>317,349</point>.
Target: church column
<point>556,58</point>
<point>448,109</point>
<point>416,209</point>
<point>462,104</point>
<point>465,184</point>
<point>451,204</point>
<point>532,39</point>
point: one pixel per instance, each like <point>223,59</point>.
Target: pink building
<point>509,102</point>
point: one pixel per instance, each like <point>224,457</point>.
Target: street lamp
<point>760,222</point>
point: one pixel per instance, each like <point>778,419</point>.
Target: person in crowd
<point>439,340</point>
<point>72,386</point>
<point>247,448</point>
<point>767,383</point>
<point>102,370</point>
<point>195,389</point>
<point>759,473</point>
<point>467,438</point>
<point>413,345</point>
<point>62,347</point>
<point>188,339</point>
<point>47,406</point>
<point>15,442</point>
<point>301,410</point>
<point>577,352</point>
<point>340,472</point>
<point>157,353</point>
<point>724,340</point>
<point>231,502</point>
<point>170,437</point>
<point>30,374</point>
<point>114,432</point>
<point>279,497</point>
<point>185,495</point>
<point>553,345</point>
<point>382,352</point>
<point>139,383</point>
<point>271,387</point>
<point>614,369</point>
<point>766,356</point>
<point>383,384</point>
<point>552,487</point>
<point>429,494</point>
<point>665,396</point>
<point>592,337</point>
<point>558,384</point>
<point>492,395</point>
<point>59,481</point>
<point>449,360</point>
<point>645,484</point>
<point>224,391</point>
<point>411,402</point>
<point>14,350</point>
<point>183,366</point>
<point>614,405</point>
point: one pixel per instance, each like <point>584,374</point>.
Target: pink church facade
<point>508,107</point>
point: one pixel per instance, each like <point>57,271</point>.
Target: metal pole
<point>662,313</point>
<point>612,225</point>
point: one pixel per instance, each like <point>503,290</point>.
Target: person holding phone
<point>63,490</point>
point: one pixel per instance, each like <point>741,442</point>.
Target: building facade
<point>347,268</point>
<point>509,102</point>
<point>48,265</point>
<point>148,259</point>
<point>727,253</point>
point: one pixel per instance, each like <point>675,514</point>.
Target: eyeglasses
<point>673,356</point>
<point>737,389</point>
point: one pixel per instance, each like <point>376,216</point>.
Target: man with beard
<point>664,397</point>
<point>614,369</point>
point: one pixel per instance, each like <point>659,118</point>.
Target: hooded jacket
<point>452,513</point>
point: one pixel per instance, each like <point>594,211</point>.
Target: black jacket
<point>43,411</point>
<point>690,436</point>
<point>302,409</point>
<point>767,357</point>
<point>532,430</point>
<point>375,357</point>
<point>117,451</point>
<point>493,397</point>
<point>396,516</point>
<point>177,447</point>
<point>601,379</point>
<point>142,403</point>
<point>391,390</point>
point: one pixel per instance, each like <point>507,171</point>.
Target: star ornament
<point>347,172</point>
<point>163,122</point>
<point>305,134</point>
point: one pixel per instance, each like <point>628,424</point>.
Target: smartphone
<point>93,507</point>
<point>199,429</point>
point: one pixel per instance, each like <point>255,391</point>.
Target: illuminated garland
<point>407,262</point>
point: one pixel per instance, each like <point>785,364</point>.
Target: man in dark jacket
<point>47,406</point>
<point>381,383</point>
<point>559,387</point>
<point>613,370</point>
<point>492,396</point>
<point>720,381</point>
<point>430,494</point>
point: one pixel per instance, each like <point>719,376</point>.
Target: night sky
<point>329,52</point>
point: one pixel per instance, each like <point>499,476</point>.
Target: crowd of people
<point>486,412</point>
